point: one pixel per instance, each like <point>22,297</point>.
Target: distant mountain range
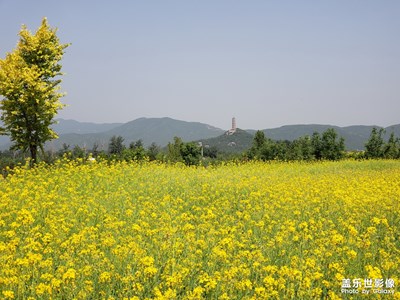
<point>162,130</point>
<point>72,126</point>
<point>149,130</point>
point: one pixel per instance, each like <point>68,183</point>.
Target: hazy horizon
<point>229,125</point>
<point>268,64</point>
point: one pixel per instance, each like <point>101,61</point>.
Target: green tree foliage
<point>95,150</point>
<point>264,148</point>
<point>259,140</point>
<point>78,152</point>
<point>300,149</point>
<point>116,145</point>
<point>374,148</point>
<point>306,148</point>
<point>135,151</point>
<point>29,88</point>
<point>174,150</point>
<point>211,152</point>
<point>332,146</point>
<point>10,159</point>
<point>64,150</point>
<point>258,144</point>
<point>269,150</point>
<point>191,153</point>
<point>136,145</point>
<point>153,151</point>
<point>178,151</point>
<point>329,146</point>
<point>392,147</point>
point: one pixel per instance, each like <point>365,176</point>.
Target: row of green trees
<point>116,151</point>
<point>377,147</point>
<point>176,151</point>
<point>326,146</point>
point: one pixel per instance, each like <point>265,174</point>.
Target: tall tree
<point>152,151</point>
<point>306,147</point>
<point>374,148</point>
<point>391,148</point>
<point>174,150</point>
<point>269,150</point>
<point>316,144</point>
<point>31,97</point>
<point>332,148</point>
<point>191,153</point>
<point>135,151</point>
<point>116,145</point>
<point>259,141</point>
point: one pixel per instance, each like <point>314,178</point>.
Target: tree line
<point>377,147</point>
<point>325,146</point>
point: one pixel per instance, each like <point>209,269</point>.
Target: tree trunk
<point>33,150</point>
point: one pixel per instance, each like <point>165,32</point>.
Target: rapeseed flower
<point>235,231</point>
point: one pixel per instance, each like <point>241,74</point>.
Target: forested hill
<point>237,142</point>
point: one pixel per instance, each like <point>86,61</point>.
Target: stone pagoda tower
<point>233,129</point>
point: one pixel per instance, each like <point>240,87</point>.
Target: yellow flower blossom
<point>234,231</point>
<point>8,294</point>
<point>105,277</point>
<point>42,288</point>
<point>69,275</point>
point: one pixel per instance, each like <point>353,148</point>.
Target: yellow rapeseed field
<point>325,230</point>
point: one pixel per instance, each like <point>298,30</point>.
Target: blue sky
<point>268,63</point>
